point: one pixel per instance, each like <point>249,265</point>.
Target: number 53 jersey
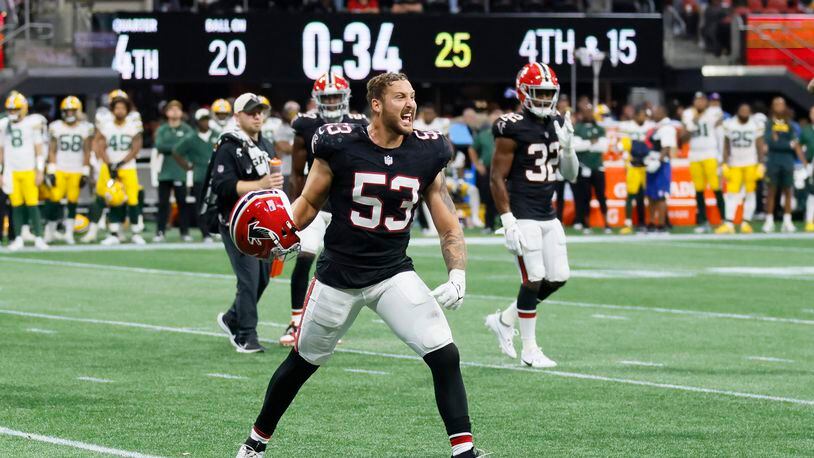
<point>532,178</point>
<point>373,197</point>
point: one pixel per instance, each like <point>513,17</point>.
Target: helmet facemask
<point>541,100</point>
<point>69,116</point>
<point>332,105</point>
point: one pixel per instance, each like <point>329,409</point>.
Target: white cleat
<point>40,244</point>
<point>208,240</point>
<point>110,240</point>
<point>69,239</point>
<point>534,357</point>
<point>504,334</point>
<point>26,234</point>
<point>768,227</point>
<point>138,240</point>
<point>248,452</point>
<point>187,239</point>
<point>17,244</point>
<point>788,227</point>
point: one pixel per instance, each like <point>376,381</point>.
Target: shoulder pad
<point>506,123</point>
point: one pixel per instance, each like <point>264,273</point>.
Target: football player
<point>223,119</point>
<point>22,163</point>
<point>373,176</point>
<point>332,95</point>
<point>635,131</point>
<point>743,158</point>
<point>807,142</point>
<point>701,125</point>
<point>68,161</point>
<point>530,147</point>
<point>663,141</point>
<point>120,141</point>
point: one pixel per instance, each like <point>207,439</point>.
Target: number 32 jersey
<point>373,197</point>
<point>532,178</point>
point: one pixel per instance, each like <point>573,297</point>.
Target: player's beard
<point>397,123</point>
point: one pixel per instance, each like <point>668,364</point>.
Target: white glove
<point>652,162</point>
<point>565,133</point>
<point>514,238</point>
<point>450,295</point>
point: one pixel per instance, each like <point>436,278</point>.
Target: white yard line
<point>599,316</point>
<point>227,376</point>
<point>418,241</point>
<point>75,444</point>
<point>695,313</point>
<point>272,324</point>
<point>94,379</point>
<point>365,371</point>
<point>41,331</point>
<point>628,362</point>
<point>575,375</point>
<point>637,308</point>
<point>769,359</point>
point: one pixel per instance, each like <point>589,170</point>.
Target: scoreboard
<point>282,47</point>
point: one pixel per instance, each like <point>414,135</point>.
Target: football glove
<point>450,295</point>
<point>114,169</point>
<point>514,239</point>
<point>565,133</point>
<point>652,162</point>
<point>51,175</point>
<point>761,171</point>
<point>83,180</point>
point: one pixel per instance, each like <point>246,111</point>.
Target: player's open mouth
<point>407,118</point>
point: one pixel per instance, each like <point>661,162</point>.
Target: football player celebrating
<point>120,141</point>
<point>636,131</point>
<point>223,119</point>
<point>68,161</point>
<point>529,149</point>
<point>332,95</point>
<point>22,161</point>
<point>743,151</point>
<point>701,125</point>
<point>663,141</point>
<point>373,177</point>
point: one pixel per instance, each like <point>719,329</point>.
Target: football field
<point>677,346</point>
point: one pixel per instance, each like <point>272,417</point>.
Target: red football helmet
<point>538,89</point>
<point>331,93</point>
<point>261,225</point>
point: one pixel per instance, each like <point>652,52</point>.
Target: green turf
<point>161,400</point>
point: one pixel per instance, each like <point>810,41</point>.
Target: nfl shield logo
<point>388,160</point>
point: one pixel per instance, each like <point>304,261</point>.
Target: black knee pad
<point>443,357</point>
<point>548,288</point>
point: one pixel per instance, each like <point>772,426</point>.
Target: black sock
<point>299,279</point>
<point>547,288</point>
<point>640,207</point>
<point>700,204</point>
<point>719,201</point>
<point>283,387</point>
<point>450,393</point>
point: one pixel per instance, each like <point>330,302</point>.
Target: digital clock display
<point>173,47</point>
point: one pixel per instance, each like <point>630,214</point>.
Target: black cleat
<point>249,345</point>
<point>228,326</point>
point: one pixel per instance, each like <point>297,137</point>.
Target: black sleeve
<point>504,126</point>
<point>445,153</point>
<point>324,144</point>
<point>225,175</point>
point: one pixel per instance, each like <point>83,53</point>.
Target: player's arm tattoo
<point>445,218</point>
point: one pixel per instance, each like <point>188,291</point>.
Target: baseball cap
<point>201,113</point>
<point>700,95</point>
<point>248,102</point>
<point>715,96</point>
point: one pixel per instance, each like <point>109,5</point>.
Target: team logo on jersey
<point>388,160</point>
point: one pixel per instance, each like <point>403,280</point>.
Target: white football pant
<point>544,254</point>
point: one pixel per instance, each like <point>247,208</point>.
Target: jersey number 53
<point>546,161</point>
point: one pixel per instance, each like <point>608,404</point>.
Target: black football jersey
<point>532,179</point>
<point>306,125</point>
<point>373,198</point>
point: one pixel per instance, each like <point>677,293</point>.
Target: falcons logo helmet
<point>261,225</point>
<point>538,89</point>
